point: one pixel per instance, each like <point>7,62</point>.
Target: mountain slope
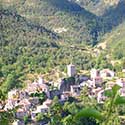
<point>113,43</point>
<point>18,35</point>
<point>116,43</point>
<point>75,23</point>
<point>72,22</point>
<point>34,48</point>
<point>98,7</point>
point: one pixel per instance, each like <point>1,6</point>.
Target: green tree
<point>109,114</point>
<point>6,118</point>
<point>55,112</point>
<point>85,100</point>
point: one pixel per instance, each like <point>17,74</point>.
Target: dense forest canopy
<point>70,17</point>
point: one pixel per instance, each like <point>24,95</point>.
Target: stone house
<point>101,95</point>
<point>65,96</point>
<point>121,83</point>
<point>21,113</point>
<point>107,73</point>
<point>18,122</point>
<point>94,73</point>
<point>25,103</point>
<point>75,90</point>
<point>13,94</point>
<point>11,103</point>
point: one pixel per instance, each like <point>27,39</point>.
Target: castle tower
<point>71,71</point>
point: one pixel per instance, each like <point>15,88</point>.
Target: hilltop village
<point>38,96</point>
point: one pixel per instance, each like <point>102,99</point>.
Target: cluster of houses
<point>26,104</point>
<point>67,87</point>
<point>102,80</point>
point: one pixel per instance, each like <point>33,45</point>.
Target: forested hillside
<point>73,22</point>
<point>116,42</point>
<point>38,36</point>
<point>30,48</point>
<point>98,7</point>
<point>20,40</point>
<point>63,17</point>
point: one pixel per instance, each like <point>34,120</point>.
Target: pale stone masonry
<point>71,71</point>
